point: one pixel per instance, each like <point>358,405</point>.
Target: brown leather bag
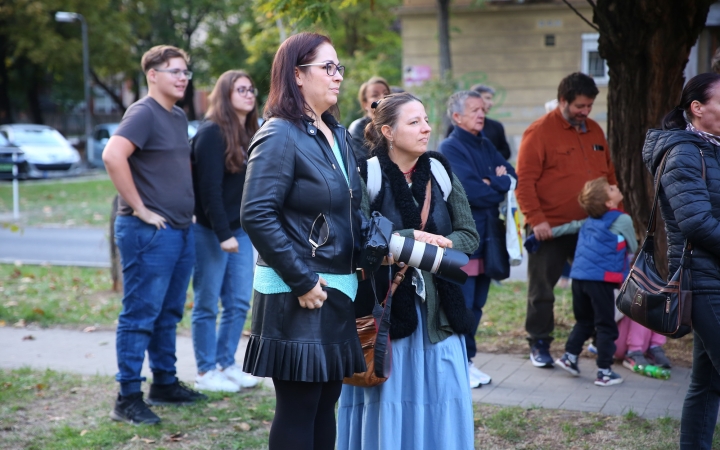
<point>368,327</point>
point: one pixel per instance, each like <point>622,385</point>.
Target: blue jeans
<point>700,409</point>
<point>228,276</point>
<point>156,271</point>
<point>475,290</point>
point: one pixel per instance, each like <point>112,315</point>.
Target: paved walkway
<point>515,381</point>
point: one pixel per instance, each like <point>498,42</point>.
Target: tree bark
<point>646,44</point>
<point>444,37</point>
<point>6,115</point>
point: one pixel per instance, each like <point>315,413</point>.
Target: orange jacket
<point>554,162</point>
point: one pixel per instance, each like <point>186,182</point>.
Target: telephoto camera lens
<point>445,263</point>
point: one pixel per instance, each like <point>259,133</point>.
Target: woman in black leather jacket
<point>690,206</point>
<point>301,209</point>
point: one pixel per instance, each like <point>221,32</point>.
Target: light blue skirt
<point>424,405</point>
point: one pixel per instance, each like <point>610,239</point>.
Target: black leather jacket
<point>297,208</point>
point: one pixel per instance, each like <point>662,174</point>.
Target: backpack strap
<point>374,177</point>
<point>441,177</point>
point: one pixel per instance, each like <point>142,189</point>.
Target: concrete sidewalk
<point>515,381</point>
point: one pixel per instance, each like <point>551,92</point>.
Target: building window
<point>592,63</point>
<point>549,40</point>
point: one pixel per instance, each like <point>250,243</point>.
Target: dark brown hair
<point>387,113</point>
<point>577,84</point>
<point>221,111</point>
<point>161,54</point>
<point>699,89</point>
<point>593,197</point>
<point>285,99</point>
<point>362,93</point>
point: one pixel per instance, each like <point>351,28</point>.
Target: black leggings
<point>304,415</point>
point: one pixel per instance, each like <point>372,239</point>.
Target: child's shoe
<point>658,358</point>
<point>606,377</point>
<point>633,359</point>
<point>569,362</point>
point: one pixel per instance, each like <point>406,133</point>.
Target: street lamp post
<point>62,16</point>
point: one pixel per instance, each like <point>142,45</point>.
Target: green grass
<point>52,410</point>
<point>66,296</point>
<point>69,202</point>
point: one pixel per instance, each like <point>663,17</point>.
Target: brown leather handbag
<point>374,329</point>
<point>645,297</point>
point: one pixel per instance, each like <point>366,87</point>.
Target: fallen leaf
<point>29,337</point>
<point>40,386</point>
<point>83,432</point>
<point>234,419</point>
<point>74,390</point>
<point>148,441</point>
<point>175,437</point>
<point>10,304</point>
<point>242,426</point>
<point>56,418</point>
<point>26,280</point>
<point>19,324</point>
<point>37,310</point>
<point>89,329</point>
<point>246,333</point>
<point>135,438</point>
<point>212,419</point>
<point>2,323</point>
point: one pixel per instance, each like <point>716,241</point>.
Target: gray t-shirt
<point>160,165</point>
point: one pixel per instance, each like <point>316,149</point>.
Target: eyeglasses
<point>330,68</point>
<point>242,90</point>
<point>176,73</point>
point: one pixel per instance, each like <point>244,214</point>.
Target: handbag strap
<point>652,223</point>
<point>424,214</point>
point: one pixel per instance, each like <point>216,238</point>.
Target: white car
<point>45,151</point>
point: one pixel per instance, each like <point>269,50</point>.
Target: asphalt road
<point>56,246</point>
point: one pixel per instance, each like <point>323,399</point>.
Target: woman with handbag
<point>425,402</point>
<point>690,205</point>
<point>488,177</point>
<point>223,266</point>
<point>301,209</point>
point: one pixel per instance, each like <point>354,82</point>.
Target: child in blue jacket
<point>599,266</point>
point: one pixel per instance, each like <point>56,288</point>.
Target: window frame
<point>590,44</point>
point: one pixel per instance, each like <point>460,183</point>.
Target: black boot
<point>176,393</point>
<point>133,410</point>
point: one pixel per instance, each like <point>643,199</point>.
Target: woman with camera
<point>426,401</point>
<point>223,266</point>
<point>301,209</point>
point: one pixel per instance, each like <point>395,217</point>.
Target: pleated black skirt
<point>292,343</point>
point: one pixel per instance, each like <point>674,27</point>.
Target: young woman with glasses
<point>301,209</point>
<point>224,261</point>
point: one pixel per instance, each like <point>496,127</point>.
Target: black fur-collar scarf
<point>403,316</point>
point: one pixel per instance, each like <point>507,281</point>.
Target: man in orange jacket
<point>559,152</point>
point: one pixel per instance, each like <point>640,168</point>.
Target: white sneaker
<point>474,382</point>
<point>215,381</point>
<point>240,378</point>
<point>479,375</point>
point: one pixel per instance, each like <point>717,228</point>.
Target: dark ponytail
<point>387,111</point>
<point>699,89</point>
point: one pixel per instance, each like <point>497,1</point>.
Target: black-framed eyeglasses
<point>242,90</point>
<point>177,72</point>
<point>330,68</point>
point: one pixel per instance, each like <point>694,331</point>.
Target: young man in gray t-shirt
<point>148,160</point>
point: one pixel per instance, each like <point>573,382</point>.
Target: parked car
<point>102,133</point>
<point>46,152</point>
<point>101,136</point>
<point>6,158</point>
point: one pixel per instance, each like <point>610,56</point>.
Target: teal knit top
<point>267,281</point>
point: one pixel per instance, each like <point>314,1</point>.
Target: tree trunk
<point>188,102</point>
<point>115,98</point>
<point>444,37</point>
<point>5,105</point>
<point>646,44</point>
